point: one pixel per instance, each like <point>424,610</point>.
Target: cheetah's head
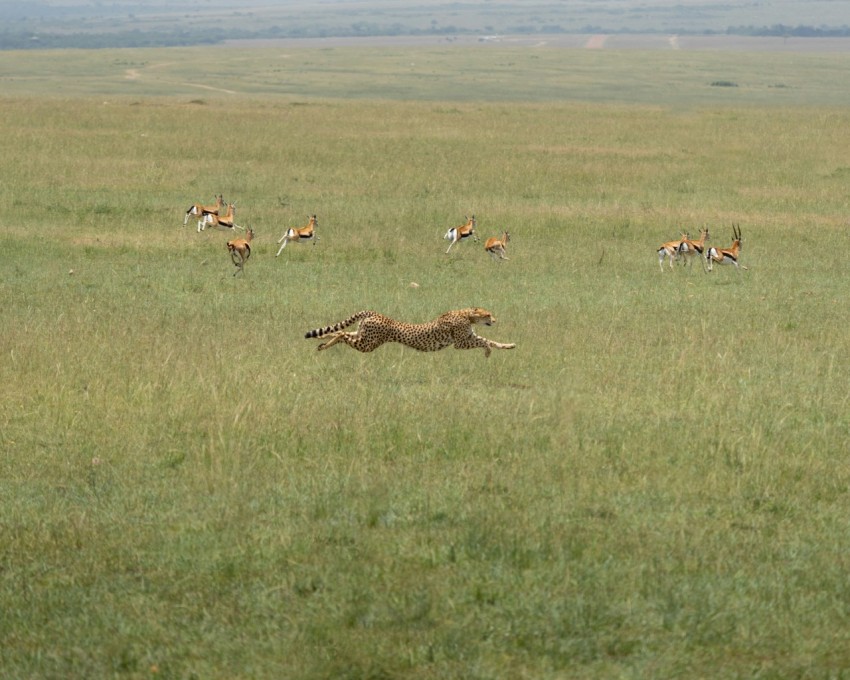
<point>479,315</point>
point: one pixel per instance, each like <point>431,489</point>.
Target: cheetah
<point>375,329</point>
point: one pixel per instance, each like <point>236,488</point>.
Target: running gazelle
<point>726,255</point>
<point>689,248</point>
<point>304,233</point>
<point>221,222</point>
<point>199,209</point>
<point>240,250</point>
<point>670,250</point>
<point>496,246</point>
<point>466,230</point>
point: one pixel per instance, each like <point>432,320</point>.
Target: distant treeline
<point>781,30</point>
<point>777,30</point>
<point>21,40</point>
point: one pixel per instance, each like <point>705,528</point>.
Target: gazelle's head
<point>470,221</point>
<point>736,235</point>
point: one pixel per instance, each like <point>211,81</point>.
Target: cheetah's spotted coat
<point>451,328</point>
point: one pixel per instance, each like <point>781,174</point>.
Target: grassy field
<point>677,79</point>
<point>652,484</point>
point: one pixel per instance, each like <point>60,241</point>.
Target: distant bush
<point>724,83</point>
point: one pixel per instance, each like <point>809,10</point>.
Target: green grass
<point>477,73</point>
<point>652,484</point>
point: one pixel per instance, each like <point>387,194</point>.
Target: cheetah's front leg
<point>474,341</point>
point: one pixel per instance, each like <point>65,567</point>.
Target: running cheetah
<point>376,329</point>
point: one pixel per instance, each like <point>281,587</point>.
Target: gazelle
<point>456,234</point>
<point>296,234</point>
<point>726,255</point>
<point>199,209</point>
<point>671,250</point>
<point>220,222</point>
<point>690,248</point>
<point>240,250</point>
<point>496,246</point>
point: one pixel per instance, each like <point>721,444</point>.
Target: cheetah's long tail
<point>321,332</point>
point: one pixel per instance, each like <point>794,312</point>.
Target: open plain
<point>654,483</point>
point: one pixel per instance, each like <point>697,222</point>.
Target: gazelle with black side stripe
<point>199,209</point>
<point>726,255</point>
<point>670,250</point>
<point>226,221</point>
<point>296,234</point>
<point>464,231</point>
<point>689,248</point>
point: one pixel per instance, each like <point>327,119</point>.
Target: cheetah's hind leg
<point>339,336</point>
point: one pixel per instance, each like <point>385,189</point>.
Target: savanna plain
<point>654,483</point>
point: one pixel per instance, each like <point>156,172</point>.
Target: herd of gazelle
<point>240,249</point>
<point>686,248</point>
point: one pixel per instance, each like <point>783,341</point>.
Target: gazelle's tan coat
<point>199,209</point>
<point>464,231</point>
<point>496,246</point>
<point>670,250</point>
<point>240,250</point>
<point>303,234</point>
<point>726,255</point>
<point>689,248</point>
<point>220,222</point>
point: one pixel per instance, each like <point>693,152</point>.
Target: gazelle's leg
<point>285,241</point>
